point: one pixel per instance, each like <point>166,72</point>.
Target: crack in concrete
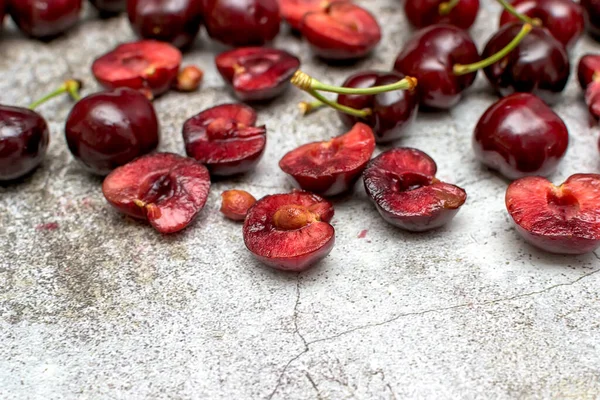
<point>314,385</point>
<point>295,318</point>
<point>409,314</point>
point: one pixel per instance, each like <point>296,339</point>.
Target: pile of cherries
<point>114,132</point>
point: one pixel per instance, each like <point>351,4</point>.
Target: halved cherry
<point>332,167</point>
<point>164,188</point>
<point>225,139</point>
<point>236,203</point>
<point>588,73</point>
<point>294,10</point>
<point>147,65</point>
<point>402,184</point>
<point>561,219</point>
<point>290,232</point>
<point>257,73</point>
<point>342,31</point>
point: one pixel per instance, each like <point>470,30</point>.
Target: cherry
<point>242,22</point>
<point>290,232</point>
<point>588,73</point>
<point>561,219</point>
<point>173,21</point>
<point>332,167</point>
<point>392,112</point>
<point>293,11</point>
<point>562,18</point>
<point>109,8</point>
<point>520,135</point>
<point>591,12</point>
<point>422,13</point>
<point>341,31</point>
<point>257,73</point>
<point>225,139</point>
<point>166,189</point>
<point>45,19</point>
<point>2,12</point>
<point>108,129</point>
<point>236,203</point>
<point>538,65</point>
<point>147,65</point>
<point>401,183</point>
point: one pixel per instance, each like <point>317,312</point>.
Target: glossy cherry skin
<point>242,22</point>
<point>520,136</point>
<point>591,12</point>
<point>562,18</point>
<point>108,8</point>
<point>589,65</point>
<point>2,12</point>
<point>108,129</point>
<point>45,19</point>
<point>392,112</point>
<point>24,138</point>
<point>422,13</point>
<point>539,65</point>
<point>173,21</point>
<point>430,55</point>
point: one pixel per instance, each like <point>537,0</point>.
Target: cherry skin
<point>109,8</point>
<point>562,18</point>
<point>422,13</point>
<point>242,22</point>
<point>430,56</point>
<point>173,21</point>
<point>538,65</point>
<point>392,112</point>
<point>520,136</point>
<point>2,12</point>
<point>591,11</point>
<point>45,19</point>
<point>108,129</point>
<point>24,138</point>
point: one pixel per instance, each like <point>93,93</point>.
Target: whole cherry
<point>460,13</point>
<point>109,8</point>
<point>242,22</point>
<point>591,11</point>
<point>174,21</point>
<point>519,136</point>
<point>109,129</point>
<point>562,18</point>
<point>2,12</point>
<point>45,19</point>
<point>588,72</point>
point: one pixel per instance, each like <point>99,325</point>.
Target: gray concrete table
<point>96,305</point>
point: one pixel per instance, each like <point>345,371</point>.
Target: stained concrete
<point>94,305</point>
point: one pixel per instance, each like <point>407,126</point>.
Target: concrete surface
<point>94,305</point>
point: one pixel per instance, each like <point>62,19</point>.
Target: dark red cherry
<point>422,13</point>
<point>588,73</point>
<point>341,31</point>
<point>242,22</point>
<point>257,73</point>
<point>591,11</point>
<point>392,112</point>
<point>430,55</point>
<point>108,129</point>
<point>109,8</point>
<point>24,138</point>
<point>563,18</point>
<point>538,65</point>
<point>2,12</point>
<point>45,19</point>
<point>293,11</point>
<point>520,136</point>
<point>173,21</point>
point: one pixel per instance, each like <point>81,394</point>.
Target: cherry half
<point>402,184</point>
<point>460,13</point>
<point>242,22</point>
<point>149,66</point>
<point>108,129</point>
<point>519,136</point>
<point>588,73</point>
<point>293,11</point>
<point>561,219</point>
<point>164,188</point>
<point>109,8</point>
<point>332,167</point>
<point>173,21</point>
<point>290,232</point>
<point>257,73</point>
<point>562,18</point>
<point>45,19</point>
<point>225,139</point>
<point>341,31</point>
<point>591,12</point>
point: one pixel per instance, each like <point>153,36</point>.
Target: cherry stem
<point>522,17</point>
<point>460,69</point>
<point>446,7</point>
<point>306,83</point>
<point>70,86</point>
<point>337,106</point>
<point>306,107</point>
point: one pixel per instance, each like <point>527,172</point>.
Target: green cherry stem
<point>335,105</point>
<point>462,69</point>
<point>306,83</point>
<point>306,107</point>
<point>524,18</point>
<point>446,7</point>
<point>70,86</point>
